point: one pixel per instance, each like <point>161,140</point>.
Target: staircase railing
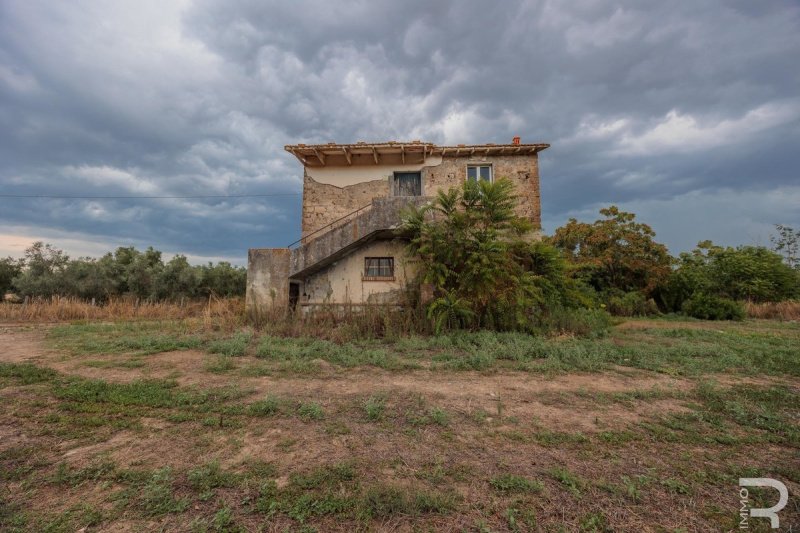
<point>328,226</point>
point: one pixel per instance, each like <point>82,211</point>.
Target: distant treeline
<point>46,271</point>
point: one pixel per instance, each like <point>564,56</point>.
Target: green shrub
<point>580,322</point>
<point>632,303</point>
<point>484,269</point>
<point>709,307</point>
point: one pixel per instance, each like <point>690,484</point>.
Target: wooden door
<point>407,184</point>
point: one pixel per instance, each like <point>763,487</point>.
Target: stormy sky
<point>686,113</point>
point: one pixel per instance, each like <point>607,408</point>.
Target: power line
<point>192,197</point>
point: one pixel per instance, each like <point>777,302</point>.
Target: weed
<point>514,483</point>
<point>325,476</point>
<point>572,482</point>
<point>631,489</point>
<point>515,518</point>
<point>267,407</point>
<point>204,479</point>
<point>374,407</point>
<point>595,523</point>
<point>676,486</point>
<point>385,500</point>
<point>157,497</point>
<point>559,438</point>
<point>25,373</point>
<point>310,411</point>
<point>220,364</point>
<point>223,519</point>
<point>234,346</point>
<point>439,416</point>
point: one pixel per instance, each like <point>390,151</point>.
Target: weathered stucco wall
<point>350,175</point>
<point>267,279</point>
<point>342,283</point>
<point>330,193</point>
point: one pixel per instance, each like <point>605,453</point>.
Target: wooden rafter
<point>325,154</point>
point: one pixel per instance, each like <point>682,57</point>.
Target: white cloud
<point>678,132</point>
<point>106,176</point>
<point>15,239</point>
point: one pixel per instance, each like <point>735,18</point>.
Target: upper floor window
<point>408,184</point>
<point>479,172</point>
<point>379,268</point>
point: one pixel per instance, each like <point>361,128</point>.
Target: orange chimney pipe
<point>515,140</point>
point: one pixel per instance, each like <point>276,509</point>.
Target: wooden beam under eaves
<point>403,153</point>
<point>347,155</point>
<point>320,156</point>
<point>375,154</point>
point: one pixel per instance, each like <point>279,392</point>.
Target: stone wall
<point>324,203</point>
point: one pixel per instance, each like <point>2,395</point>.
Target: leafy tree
<point>44,271</point>
<point>9,269</point>
<point>89,279</point>
<point>615,253</point>
<point>787,243</point>
<point>751,273</point>
<point>143,273</point>
<point>477,255</point>
<point>47,271</point>
<point>222,279</point>
<point>177,279</point>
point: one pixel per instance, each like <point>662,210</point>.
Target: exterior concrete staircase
<point>378,221</point>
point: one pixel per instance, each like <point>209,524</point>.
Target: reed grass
<point>61,309</point>
<point>787,310</point>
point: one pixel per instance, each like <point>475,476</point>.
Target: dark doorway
<point>407,184</point>
<point>294,295</point>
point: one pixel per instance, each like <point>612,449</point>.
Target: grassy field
<point>175,426</point>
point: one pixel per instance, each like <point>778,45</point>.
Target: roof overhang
<point>362,153</point>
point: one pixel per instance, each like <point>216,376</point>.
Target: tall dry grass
<point>344,322</point>
<point>56,309</point>
<point>788,310</point>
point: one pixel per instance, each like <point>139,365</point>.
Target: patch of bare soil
<point>659,324</point>
<point>20,343</point>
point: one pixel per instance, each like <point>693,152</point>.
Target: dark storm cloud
<point>687,113</point>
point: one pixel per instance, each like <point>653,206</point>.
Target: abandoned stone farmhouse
<point>353,197</point>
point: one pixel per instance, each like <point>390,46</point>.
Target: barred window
<point>379,267</point>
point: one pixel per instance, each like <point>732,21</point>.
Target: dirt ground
<point>498,422</point>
